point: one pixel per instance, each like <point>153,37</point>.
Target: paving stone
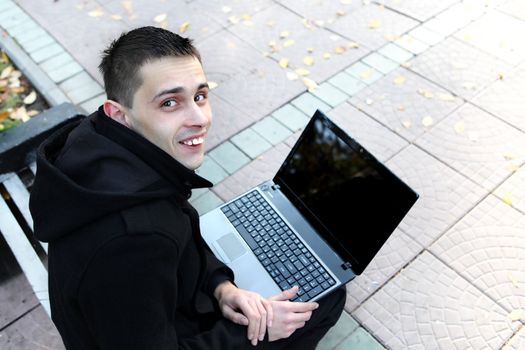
<point>347,83</point>
<point>321,12</point>
<point>468,69</point>
<point>426,35</point>
<point>196,193</point>
<point>13,18</point>
<point>84,93</point>
<point>514,189</point>
<point>377,139</point>
<point>356,25</point>
<point>76,82</point>
<point>507,44</point>
<point>66,71</point>
<point>251,143</point>
<point>397,252</point>
<point>38,43</point>
<point>22,28</point>
<point>514,8</point>
<point>360,339</point>
<point>272,130</point>
<point>479,152</point>
<point>486,247</point>
<point>456,17</point>
<point>92,105</point>
<point>7,5</point>
<point>212,171</point>
<point>380,62</point>
<point>429,306</point>
<point>44,53</point>
<point>56,62</point>
<point>411,44</point>
<point>364,72</point>
<point>330,94</point>
<point>291,117</point>
<point>26,36</point>
<point>421,10</point>
<point>227,121</point>
<point>206,202</point>
<point>395,53</point>
<point>261,169</point>
<point>517,341</point>
<point>444,195</point>
<point>316,44</point>
<point>33,331</point>
<point>16,295</point>
<point>308,104</point>
<point>342,329</point>
<point>401,104</point>
<point>226,12</point>
<point>229,157</point>
<point>505,98</point>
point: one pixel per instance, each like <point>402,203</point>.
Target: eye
<point>169,103</point>
<point>200,97</point>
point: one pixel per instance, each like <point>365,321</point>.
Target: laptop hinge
<point>346,266</point>
<point>275,187</point>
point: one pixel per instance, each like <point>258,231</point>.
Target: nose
<point>199,116</point>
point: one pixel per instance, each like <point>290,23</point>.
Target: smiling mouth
<point>193,142</point>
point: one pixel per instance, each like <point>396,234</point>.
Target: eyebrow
<point>178,90</point>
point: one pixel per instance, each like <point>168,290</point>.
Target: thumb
<point>285,294</point>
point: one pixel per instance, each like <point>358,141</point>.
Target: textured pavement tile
<point>16,298</point>
<point>506,98</point>
<point>457,16</point>
<point>56,62</point>
<point>44,53</point>
<point>316,44</point>
<point>85,92</point>
<point>321,12</point>
<point>211,171</point>
<point>291,117</point>
<point>330,94</point>
<point>76,82</point>
<point>398,101</point>
<point>91,105</point>
<point>381,63</point>
<point>23,28</point>
<point>206,202</point>
<point>251,143</point>
<point>261,169</point>
<point>308,104</point>
<point>28,35</point>
<point>426,35</point>
<point>481,147</point>
<point>395,53</point>
<point>13,18</point>
<point>34,331</point>
<point>376,138</point>
<point>487,248</point>
<point>228,12</point>
<point>498,34</point>
<point>342,329</point>
<point>38,42</point>
<point>514,8</point>
<point>360,339</point>
<point>364,72</point>
<point>386,25</point>
<point>514,189</point>
<point>444,195</point>
<point>398,250</point>
<point>468,69</point>
<point>229,157</point>
<point>272,130</point>
<point>227,121</point>
<point>421,10</point>
<point>429,306</point>
<point>517,342</point>
<point>411,44</point>
<point>225,56</point>
<point>65,71</point>
<point>270,25</point>
<point>347,83</point>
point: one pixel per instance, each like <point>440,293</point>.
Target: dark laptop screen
<point>343,191</point>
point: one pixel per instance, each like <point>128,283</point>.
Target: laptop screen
<point>348,196</point>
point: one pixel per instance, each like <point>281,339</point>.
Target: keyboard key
<point>290,267</point>
<point>315,291</point>
<point>283,270</point>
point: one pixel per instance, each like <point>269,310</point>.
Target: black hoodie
<point>128,268</point>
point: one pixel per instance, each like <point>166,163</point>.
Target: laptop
<point>320,221</point>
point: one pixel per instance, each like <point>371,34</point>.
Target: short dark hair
<point>124,57</point>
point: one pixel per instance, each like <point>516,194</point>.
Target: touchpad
<point>231,246</point>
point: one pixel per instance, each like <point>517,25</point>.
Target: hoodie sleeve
<point>128,296</point>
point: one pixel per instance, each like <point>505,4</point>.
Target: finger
<point>302,307</point>
<point>253,320</point>
<point>234,316</point>
<point>299,317</point>
<point>262,324</point>
<point>269,312</point>
<point>286,294</point>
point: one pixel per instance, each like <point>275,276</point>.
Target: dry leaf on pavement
<point>96,13</point>
<point>516,315</point>
<point>427,121</point>
<point>292,76</point>
<point>407,124</point>
<point>6,72</point>
<point>506,198</point>
<point>31,98</point>
<point>340,50</point>
<point>283,62</point>
<point>212,85</point>
<point>310,84</point>
<point>160,18</point>
<point>399,80</point>
<point>308,60</point>
<point>184,27</point>
<point>288,43</point>
<point>302,72</point>
<point>374,23</point>
<point>284,34</point>
<point>4,115</point>
<point>326,56</point>
<point>459,127</point>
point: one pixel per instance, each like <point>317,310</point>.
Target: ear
<point>117,112</point>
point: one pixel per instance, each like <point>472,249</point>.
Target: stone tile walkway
<point>434,89</point>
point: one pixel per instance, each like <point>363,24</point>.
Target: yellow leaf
<point>212,85</point>
<point>116,17</point>
<point>369,101</point>
<point>340,50</point>
<point>20,114</point>
<point>246,17</point>
<point>374,23</point>
<point>302,72</point>
<point>353,45</point>
<point>501,76</point>
<point>400,80</point>
<point>425,93</point>
<point>4,115</point>
<point>31,98</point>
<point>446,97</point>
<point>513,279</point>
<point>427,121</point>
<point>310,84</point>
<point>284,34</point>
<point>2,127</point>
<point>407,124</point>
<point>326,56</point>
<point>308,60</point>
<point>184,27</point>
<point>160,18</point>
<point>272,43</point>
<point>6,72</point>
<point>233,19</point>
<point>96,13</point>
<point>516,315</point>
<point>506,198</point>
<point>32,112</point>
<point>459,127</point>
<point>283,62</point>
<point>310,49</point>
<point>128,6</point>
<point>341,13</point>
<point>291,76</point>
<point>289,42</point>
<point>231,45</point>
<point>226,9</point>
<point>164,25</point>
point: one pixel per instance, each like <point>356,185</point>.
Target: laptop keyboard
<point>283,255</point>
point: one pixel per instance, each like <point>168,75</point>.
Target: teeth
<point>193,142</point>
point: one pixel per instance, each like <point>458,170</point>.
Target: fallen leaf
<point>516,315</point>
<point>302,72</point>
<point>399,80</point>
<point>307,23</point>
<point>30,98</point>
<point>283,62</point>
<point>14,83</point>
<point>326,56</point>
<point>270,23</point>
<point>4,115</point>
<point>96,13</point>
<point>513,279</point>
<point>128,6</point>
<point>184,27</point>
<point>341,13</point>
<point>212,85</point>
<point>20,114</point>
<point>427,121</point>
<point>226,9</point>
<point>116,17</point>
<point>310,49</point>
<point>425,93</point>
<point>506,198</point>
<point>513,167</point>
<point>164,25</point>
<point>308,60</point>
<point>501,76</point>
<point>446,97</point>
<point>473,136</point>
<point>284,34</point>
<point>160,18</point>
<point>401,108</point>
<point>32,113</point>
<point>340,50</point>
<point>353,45</point>
<point>407,124</point>
<point>233,19</point>
<point>292,76</point>
<point>459,127</point>
<point>231,45</point>
<point>16,74</point>
<point>369,101</point>
<point>310,84</point>
<point>406,64</point>
<point>374,23</point>
<point>246,17</point>
<point>6,72</point>
<point>334,37</point>
<point>289,43</point>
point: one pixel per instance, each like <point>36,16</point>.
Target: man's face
<point>171,108</point>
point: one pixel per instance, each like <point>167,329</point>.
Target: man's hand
<point>245,308</point>
<point>288,316</point>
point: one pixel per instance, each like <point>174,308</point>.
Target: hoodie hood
<point>96,167</point>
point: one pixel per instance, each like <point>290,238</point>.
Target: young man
<point>128,268</point>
